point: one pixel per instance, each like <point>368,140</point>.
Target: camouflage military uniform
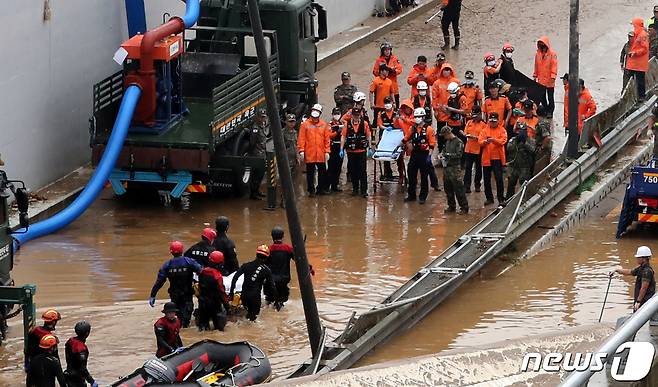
<point>543,142</point>
<point>453,174</point>
<point>343,95</point>
<point>290,139</point>
<point>257,148</point>
<point>522,156</point>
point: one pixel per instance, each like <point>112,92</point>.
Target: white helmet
<point>422,85</point>
<point>453,87</point>
<point>643,252</point>
<point>419,112</point>
<point>359,96</point>
<point>317,107</point>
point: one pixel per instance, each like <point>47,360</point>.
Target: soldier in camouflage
<point>257,148</point>
<point>344,93</point>
<point>521,152</point>
<point>290,139</point>
<point>543,140</point>
<point>453,174</point>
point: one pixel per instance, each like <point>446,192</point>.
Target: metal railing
<point>625,333</point>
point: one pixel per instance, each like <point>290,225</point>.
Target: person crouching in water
<point>213,303</point>
<point>256,275</point>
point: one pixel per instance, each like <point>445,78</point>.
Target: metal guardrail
<point>436,281</point>
<point>621,335</point>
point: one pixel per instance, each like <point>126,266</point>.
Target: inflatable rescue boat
<point>205,363</point>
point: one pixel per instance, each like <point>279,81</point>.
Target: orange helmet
<point>216,257</point>
<point>508,47</point>
<point>489,57</point>
<point>263,250</point>
<point>51,315</point>
<point>176,247</point>
<point>209,234</point>
<point>48,341</point>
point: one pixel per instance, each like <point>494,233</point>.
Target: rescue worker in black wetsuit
<point>224,244</point>
<point>279,263</point>
<point>202,249</point>
<point>50,319</point>
<point>167,331</point>
<point>45,367</point>
<point>213,303</point>
<point>77,354</point>
<point>179,271</point>
<point>256,275</point>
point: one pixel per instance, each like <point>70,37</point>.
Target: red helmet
<point>508,47</point>
<point>176,247</point>
<point>489,57</point>
<point>209,234</point>
<point>48,341</point>
<point>216,257</point>
<point>263,250</point>
<point>51,315</point>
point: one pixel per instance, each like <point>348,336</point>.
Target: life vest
<point>427,106</point>
<point>386,120</point>
<point>356,140</point>
<point>453,102</point>
<point>335,127</point>
<point>419,140</point>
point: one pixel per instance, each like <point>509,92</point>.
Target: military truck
<point>208,92</point>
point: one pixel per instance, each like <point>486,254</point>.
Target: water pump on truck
<point>13,299</point>
<point>641,199</point>
<point>200,90</point>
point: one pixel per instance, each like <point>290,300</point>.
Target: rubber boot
<point>446,44</point>
<point>456,46</point>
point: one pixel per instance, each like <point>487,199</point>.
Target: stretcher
<point>388,149</point>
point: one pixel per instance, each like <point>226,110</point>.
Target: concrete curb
<point>346,49</point>
<point>576,215</point>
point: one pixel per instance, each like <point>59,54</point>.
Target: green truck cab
<point>214,90</point>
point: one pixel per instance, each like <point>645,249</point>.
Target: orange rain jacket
<point>473,129</point>
<point>313,140</point>
<point>413,80</point>
<point>545,65</point>
<point>396,69</point>
<point>586,108</point>
<point>440,93</point>
<point>637,58</point>
<point>495,150</point>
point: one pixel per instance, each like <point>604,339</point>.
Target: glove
<point>341,153</point>
<point>326,157</point>
<point>370,152</point>
<point>301,155</point>
<point>152,301</point>
<point>94,384</point>
<point>389,128</point>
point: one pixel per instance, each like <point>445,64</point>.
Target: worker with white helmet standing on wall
<point>645,281</point>
<point>421,140</point>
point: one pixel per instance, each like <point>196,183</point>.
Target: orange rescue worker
<point>456,108</point>
<point>492,140</point>
<point>404,121</point>
<point>422,141</point>
<point>545,73</point>
<point>386,121</point>
<point>392,63</point>
<point>497,103</point>
<point>472,149</point>
<point>423,100</point>
<point>565,83</point>
<point>530,119</point>
<point>586,106</point>
<point>435,72</point>
<point>519,110</point>
<point>472,92</point>
<point>381,87</point>
<point>419,73</point>
<point>356,139</point>
<point>440,96</point>
<point>492,68</point>
<point>637,57</point>
<point>313,147</point>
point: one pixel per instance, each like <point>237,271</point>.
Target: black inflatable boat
<point>205,363</point>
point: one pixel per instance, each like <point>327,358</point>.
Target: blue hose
<point>192,9</point>
<point>97,182</point>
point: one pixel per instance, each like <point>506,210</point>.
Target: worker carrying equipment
<point>45,367</point>
<point>213,302</point>
<point>202,249</point>
<point>77,355</point>
<point>167,331</point>
<point>256,275</point>
<point>179,271</point>
<point>279,263</point>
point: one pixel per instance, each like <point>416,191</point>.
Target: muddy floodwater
<point>101,268</point>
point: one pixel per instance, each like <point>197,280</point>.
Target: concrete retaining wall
<point>46,79</point>
<point>345,14</point>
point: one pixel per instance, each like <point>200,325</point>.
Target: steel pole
<point>574,86</point>
<point>313,324</point>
